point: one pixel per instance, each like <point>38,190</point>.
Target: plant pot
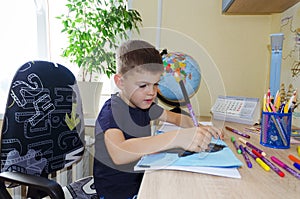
<point>90,94</point>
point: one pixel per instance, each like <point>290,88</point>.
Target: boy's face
<point>139,89</point>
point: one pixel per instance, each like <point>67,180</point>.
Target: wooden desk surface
<point>254,183</point>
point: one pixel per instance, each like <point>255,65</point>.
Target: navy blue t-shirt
<point>120,181</point>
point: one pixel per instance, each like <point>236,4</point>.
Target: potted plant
<point>94,29</point>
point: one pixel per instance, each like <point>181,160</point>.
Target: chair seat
<point>81,189</point>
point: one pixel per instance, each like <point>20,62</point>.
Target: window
<point>18,40</point>
<point>30,31</point>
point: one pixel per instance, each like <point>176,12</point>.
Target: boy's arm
<point>185,121</point>
<point>125,151</point>
<point>181,120</point>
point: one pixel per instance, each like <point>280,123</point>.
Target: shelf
<point>256,7</point>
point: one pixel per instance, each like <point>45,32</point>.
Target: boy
<point>123,132</point>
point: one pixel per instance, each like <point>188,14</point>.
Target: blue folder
<point>222,159</point>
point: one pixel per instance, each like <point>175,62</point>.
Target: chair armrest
<point>40,183</point>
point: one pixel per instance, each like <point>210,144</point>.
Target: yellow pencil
<point>264,103</point>
<point>277,101</point>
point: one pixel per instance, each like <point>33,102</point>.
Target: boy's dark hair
<point>139,55</point>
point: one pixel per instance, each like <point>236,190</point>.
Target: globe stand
<point>179,110</point>
<point>176,105</point>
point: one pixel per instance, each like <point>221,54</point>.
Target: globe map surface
<point>178,66</point>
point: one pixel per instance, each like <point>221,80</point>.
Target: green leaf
<point>93,28</point>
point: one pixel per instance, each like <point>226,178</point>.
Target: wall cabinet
<point>257,7</point>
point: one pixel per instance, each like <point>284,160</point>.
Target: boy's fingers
<point>216,133</point>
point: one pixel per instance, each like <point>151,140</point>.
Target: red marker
<point>270,164</point>
<point>286,167</point>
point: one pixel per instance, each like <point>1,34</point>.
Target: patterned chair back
<point>43,124</point>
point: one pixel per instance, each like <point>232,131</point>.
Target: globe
<point>178,66</point>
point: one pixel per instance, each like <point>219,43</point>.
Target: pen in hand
<point>188,103</point>
<point>192,114</point>
<point>212,147</point>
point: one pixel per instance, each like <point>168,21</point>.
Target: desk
<point>255,182</point>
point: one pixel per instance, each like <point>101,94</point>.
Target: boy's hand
<point>197,138</point>
<point>215,132</point>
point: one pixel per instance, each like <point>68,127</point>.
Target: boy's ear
<point>118,81</point>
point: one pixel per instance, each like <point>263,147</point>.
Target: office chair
<point>43,132</point>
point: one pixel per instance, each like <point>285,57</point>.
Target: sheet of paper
<point>158,160</point>
<point>166,127</point>
<point>224,172</point>
<point>217,163</point>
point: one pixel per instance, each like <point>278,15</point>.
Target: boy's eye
<point>145,85</point>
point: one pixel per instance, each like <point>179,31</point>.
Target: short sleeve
<point>155,111</point>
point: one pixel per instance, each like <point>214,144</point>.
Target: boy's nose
<point>152,90</point>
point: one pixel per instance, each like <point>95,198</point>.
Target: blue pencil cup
<point>276,130</point>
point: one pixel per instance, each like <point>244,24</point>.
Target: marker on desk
<point>294,159</point>
<point>296,165</point>
<point>270,164</point>
<point>249,164</point>
<point>237,132</point>
<point>252,146</point>
<point>298,150</point>
<point>235,145</point>
<point>254,130</point>
<point>257,159</point>
<point>284,166</point>
<point>188,103</point>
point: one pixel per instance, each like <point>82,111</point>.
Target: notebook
<point>221,163</point>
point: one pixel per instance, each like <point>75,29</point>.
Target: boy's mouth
<point>149,100</point>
